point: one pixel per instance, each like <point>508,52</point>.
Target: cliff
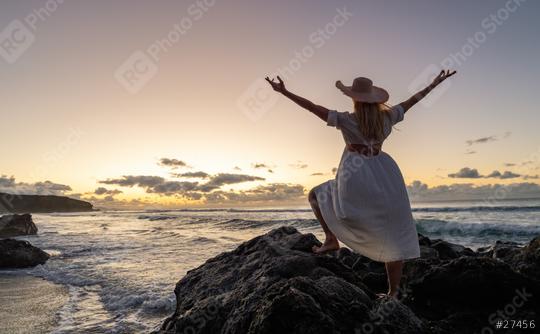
<point>41,203</point>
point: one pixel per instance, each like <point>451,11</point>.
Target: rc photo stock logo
<point>259,98</point>
<point>19,35</point>
<point>141,66</point>
<point>136,71</point>
<point>15,39</point>
<point>424,79</point>
<point>488,26</point>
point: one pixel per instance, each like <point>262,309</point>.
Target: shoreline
<point>30,304</point>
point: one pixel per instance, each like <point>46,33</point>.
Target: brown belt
<point>365,149</point>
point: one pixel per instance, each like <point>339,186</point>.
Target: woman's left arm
<point>279,86</point>
<point>421,94</point>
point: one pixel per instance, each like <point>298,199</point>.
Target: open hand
<point>442,76</point>
<point>277,86</point>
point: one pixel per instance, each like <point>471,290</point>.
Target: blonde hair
<point>370,117</point>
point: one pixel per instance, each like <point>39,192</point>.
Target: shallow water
<point>120,268</point>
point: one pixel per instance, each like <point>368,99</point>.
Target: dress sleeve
<point>397,114</point>
<point>336,118</point>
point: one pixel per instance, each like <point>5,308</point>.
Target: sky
<point>162,103</point>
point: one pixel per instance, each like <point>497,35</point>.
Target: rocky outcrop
<point>14,225</point>
<point>20,254</point>
<point>39,203</point>
<point>524,260</point>
<point>274,284</point>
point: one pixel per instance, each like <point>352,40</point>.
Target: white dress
<point>366,206</point>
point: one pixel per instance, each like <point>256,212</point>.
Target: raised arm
<point>421,94</point>
<point>279,86</point>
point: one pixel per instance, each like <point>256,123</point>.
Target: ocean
<point>120,267</point>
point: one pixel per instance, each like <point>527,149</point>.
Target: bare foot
<point>330,244</point>
<point>389,294</point>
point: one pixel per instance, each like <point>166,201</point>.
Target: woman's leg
<point>393,271</point>
<point>331,242</point>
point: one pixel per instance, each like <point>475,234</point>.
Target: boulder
<point>275,284</point>
<point>500,249</point>
<point>447,250</point>
<point>20,254</point>
<point>14,225</point>
<point>461,294</point>
<point>525,260</point>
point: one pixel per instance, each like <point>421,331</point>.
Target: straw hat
<point>362,90</point>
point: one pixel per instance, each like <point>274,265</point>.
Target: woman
<point>366,206</point>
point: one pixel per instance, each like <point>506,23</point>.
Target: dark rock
<point>427,252</point>
<point>525,260</point>
<point>500,250</point>
<point>275,284</point>
<point>20,254</point>
<point>391,316</point>
<point>478,285</point>
<point>423,240</point>
<point>14,225</point>
<point>447,250</point>
<point>14,203</point>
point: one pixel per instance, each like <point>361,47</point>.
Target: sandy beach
<point>29,304</point>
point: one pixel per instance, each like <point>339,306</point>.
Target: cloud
<point>263,165</point>
<point>317,174</point>
<point>472,173</point>
<point>509,175</point>
<point>152,184</point>
<point>509,164</point>
<point>260,165</point>
<point>504,175</point>
<point>470,152</point>
<point>530,177</point>
<point>237,168</point>
<point>222,179</point>
<point>265,193</point>
<point>143,181</point>
<point>495,173</point>
<point>270,193</point>
<point>481,140</point>
<point>173,163</point>
<point>199,175</point>
<point>299,165</point>
<point>334,170</point>
<point>420,191</point>
<point>172,187</point>
<point>105,191</point>
<point>488,139</point>
<point>50,187</point>
<point>466,173</point>
<point>10,185</point>
<point>7,182</point>
<point>158,185</point>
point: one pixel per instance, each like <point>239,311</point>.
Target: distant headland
<point>15,203</point>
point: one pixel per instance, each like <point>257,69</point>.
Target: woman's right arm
<point>421,94</point>
<point>279,86</point>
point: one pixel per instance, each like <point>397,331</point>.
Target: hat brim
<point>376,95</point>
